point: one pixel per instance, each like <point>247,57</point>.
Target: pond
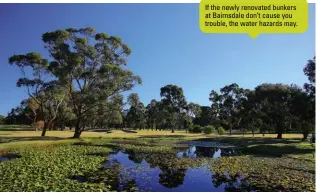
<point>127,170</point>
<point>9,157</point>
<point>211,152</point>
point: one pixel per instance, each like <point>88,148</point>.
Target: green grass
<point>47,163</point>
<point>265,146</point>
<point>16,128</point>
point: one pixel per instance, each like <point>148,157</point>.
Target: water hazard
<point>127,170</point>
<point>211,152</point>
<point>9,157</point>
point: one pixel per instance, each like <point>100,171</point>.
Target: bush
<point>195,129</point>
<point>208,129</point>
<point>221,131</point>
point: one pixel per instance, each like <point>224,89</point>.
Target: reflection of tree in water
<point>232,183</point>
<point>172,177</point>
<point>129,186</point>
<point>117,178</point>
<point>210,151</point>
<point>206,151</point>
<point>135,156</point>
<point>228,152</point>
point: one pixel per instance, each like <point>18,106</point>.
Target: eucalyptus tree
<point>152,112</point>
<point>277,98</point>
<point>310,72</point>
<point>136,115</point>
<point>65,116</point>
<point>32,107</point>
<point>2,119</point>
<point>227,104</point>
<point>206,117</point>
<point>193,111</point>
<point>90,64</point>
<point>38,79</point>
<point>250,113</point>
<point>108,113</point>
<point>302,111</point>
<point>173,100</point>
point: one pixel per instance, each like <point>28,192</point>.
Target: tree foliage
<point>80,86</point>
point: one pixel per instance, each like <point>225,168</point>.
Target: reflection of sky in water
<point>148,179</point>
<point>217,153</point>
<point>212,152</point>
<point>9,157</point>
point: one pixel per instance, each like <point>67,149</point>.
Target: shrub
<point>221,131</point>
<point>208,129</point>
<point>195,129</point>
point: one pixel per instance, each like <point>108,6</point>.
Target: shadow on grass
<point>129,131</point>
<point>265,147</point>
<point>164,136</point>
<point>275,151</point>
<point>245,141</point>
<point>101,130</point>
<point>108,145</point>
<point>18,139</point>
<point>17,129</point>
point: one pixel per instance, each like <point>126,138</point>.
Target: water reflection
<point>136,171</point>
<point>9,157</point>
<point>211,152</point>
<point>236,183</point>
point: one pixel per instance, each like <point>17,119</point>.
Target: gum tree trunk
<point>44,129</point>
<point>78,130</point>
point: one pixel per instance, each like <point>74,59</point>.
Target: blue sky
<point>167,47</point>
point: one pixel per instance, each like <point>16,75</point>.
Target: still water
<point>210,152</point>
<point>9,157</point>
<point>135,171</point>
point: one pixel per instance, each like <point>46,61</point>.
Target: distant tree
<point>193,110</point>
<point>65,116</point>
<point>173,100</point>
<point>250,113</point>
<point>277,98</point>
<point>152,111</point>
<point>227,104</point>
<point>32,109</point>
<point>2,119</point>
<point>302,112</point>
<point>162,117</point>
<point>136,115</point>
<point>133,99</point>
<point>206,117</point>
<point>310,72</point>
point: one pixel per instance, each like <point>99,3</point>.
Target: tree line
<point>80,86</point>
